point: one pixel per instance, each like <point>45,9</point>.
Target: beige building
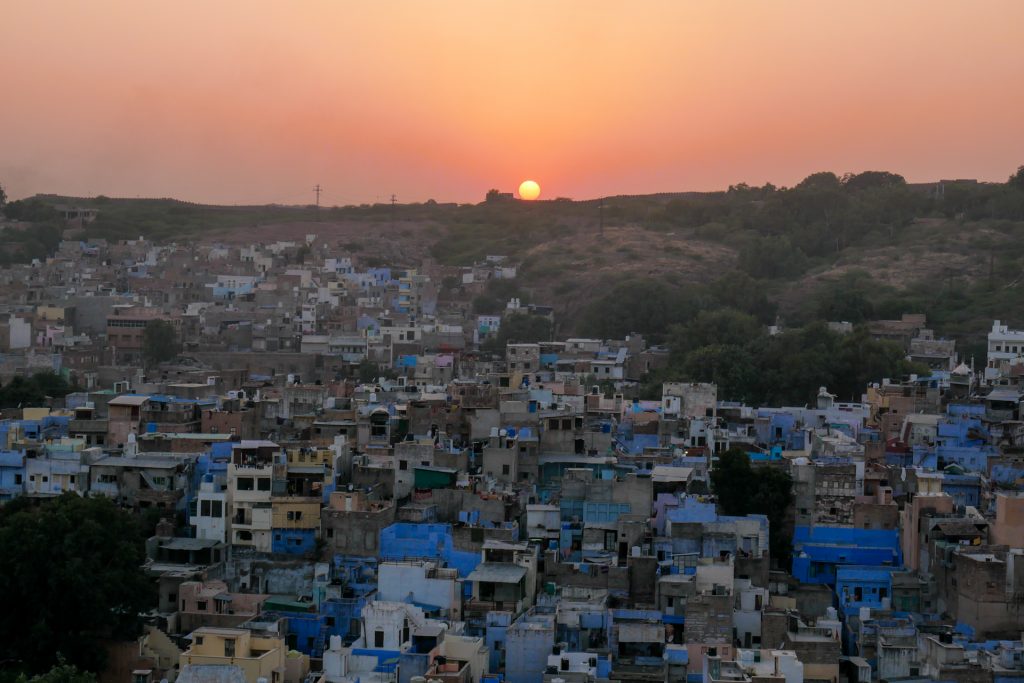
<point>258,655</point>
<point>1008,527</point>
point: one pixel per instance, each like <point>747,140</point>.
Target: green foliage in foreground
<point>72,578</point>
<point>61,672</point>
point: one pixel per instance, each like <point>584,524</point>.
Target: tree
<point>744,490</point>
<point>519,328</point>
<point>724,326</point>
<point>731,367</point>
<point>368,372</point>
<point>72,578</point>
<point>872,179</point>
<point>644,306</point>
<point>159,342</point>
<point>1016,180</point>
<point>772,258</point>
<point>61,672</point>
<point>3,197</point>
<point>33,391</point>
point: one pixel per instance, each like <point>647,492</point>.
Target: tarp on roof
<point>497,572</point>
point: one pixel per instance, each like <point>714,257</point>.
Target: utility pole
<point>318,190</point>
<point>394,207</point>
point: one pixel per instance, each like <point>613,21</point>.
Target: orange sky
<point>239,102</point>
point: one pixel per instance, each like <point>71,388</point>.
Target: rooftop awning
<point>497,572</point>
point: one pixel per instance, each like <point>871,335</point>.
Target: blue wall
<point>818,551</point>
<point>404,541</point>
<point>858,587</point>
<point>293,541</point>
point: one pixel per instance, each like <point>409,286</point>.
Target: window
<point>403,465</point>
<point>201,605</point>
<point>245,484</point>
<point>217,508</point>
<point>263,483</point>
<point>204,508</point>
<point>229,647</point>
<point>198,640</point>
<point>505,469</point>
<point>378,638</point>
<point>17,478</point>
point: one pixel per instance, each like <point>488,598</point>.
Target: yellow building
<point>306,456</point>
<point>293,512</point>
<point>258,655</point>
<point>53,314</point>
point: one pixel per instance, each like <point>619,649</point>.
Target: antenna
<point>318,190</point>
<point>394,206</point>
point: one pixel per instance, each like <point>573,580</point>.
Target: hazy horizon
<point>255,103</point>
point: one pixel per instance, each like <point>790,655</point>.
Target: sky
<point>257,102</point>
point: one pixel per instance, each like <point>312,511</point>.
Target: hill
<point>837,248</point>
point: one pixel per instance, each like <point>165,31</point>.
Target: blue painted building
<point>12,474</point>
<point>497,625</point>
<point>858,587</point>
<point>293,541</point>
<point>819,551</point>
<point>528,642</point>
<point>965,489</point>
<point>408,541</point>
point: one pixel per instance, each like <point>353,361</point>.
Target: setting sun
<point>529,190</point>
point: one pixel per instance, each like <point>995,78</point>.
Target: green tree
<point>724,326</point>
<point>772,258</point>
<point>369,372</point>
<point>644,306</point>
<point>731,367</point>
<point>519,328</point>
<point>494,298</point>
<point>33,391</point>
<point>61,672</point>
<point>72,578</point>
<point>1016,180</point>
<point>159,342</point>
<point>744,490</point>
<point>872,179</point>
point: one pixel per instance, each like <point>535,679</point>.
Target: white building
<point>250,479</point>
<point>1004,346</point>
<point>210,520</point>
<point>772,663</point>
<point>421,583</point>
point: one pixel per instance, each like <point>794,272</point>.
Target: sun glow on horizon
<point>529,190</point>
